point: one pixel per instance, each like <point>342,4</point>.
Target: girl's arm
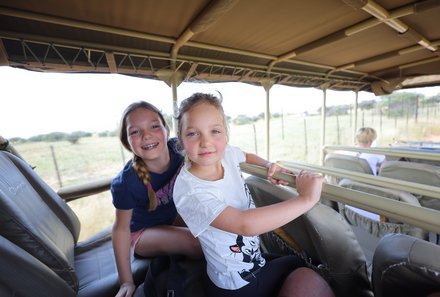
<point>259,220</point>
<point>272,168</point>
<point>121,245</point>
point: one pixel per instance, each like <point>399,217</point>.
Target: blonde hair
<point>365,135</point>
<point>139,165</point>
<point>195,100</point>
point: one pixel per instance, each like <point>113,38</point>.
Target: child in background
<point>212,198</point>
<point>142,194</point>
<point>366,137</point>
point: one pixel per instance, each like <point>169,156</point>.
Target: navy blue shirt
<point>129,192</point>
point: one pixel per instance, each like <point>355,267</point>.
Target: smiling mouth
<point>206,154</point>
<point>150,146</point>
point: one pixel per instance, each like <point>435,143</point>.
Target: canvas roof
<point>377,46</point>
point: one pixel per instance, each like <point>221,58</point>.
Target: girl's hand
<point>309,185</point>
<point>272,169</point>
<point>126,290</point>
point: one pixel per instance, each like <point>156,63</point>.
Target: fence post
<point>56,166</point>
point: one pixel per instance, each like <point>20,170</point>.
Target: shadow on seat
<point>38,242</point>
<point>414,172</point>
<point>346,162</point>
<point>370,228</point>
<point>405,266</point>
<point>322,235</point>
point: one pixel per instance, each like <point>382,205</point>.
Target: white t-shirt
<point>231,258</point>
<point>372,159</point>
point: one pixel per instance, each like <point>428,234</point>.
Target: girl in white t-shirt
<point>212,198</point>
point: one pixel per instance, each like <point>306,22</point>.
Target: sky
<point>34,103</point>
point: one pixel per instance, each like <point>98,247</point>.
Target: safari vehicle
<point>354,46</point>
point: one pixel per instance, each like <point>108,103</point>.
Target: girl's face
<point>204,135</point>
<point>147,136</point>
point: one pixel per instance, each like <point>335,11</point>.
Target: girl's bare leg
<point>305,282</point>
<point>168,240</point>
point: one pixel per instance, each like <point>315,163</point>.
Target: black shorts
<point>267,281</point>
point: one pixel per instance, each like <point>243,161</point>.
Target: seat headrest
<point>347,162</point>
<point>30,220</point>
<point>405,266</point>
<point>414,172</point>
<point>410,171</point>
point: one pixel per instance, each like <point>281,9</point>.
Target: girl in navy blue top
<point>146,217</point>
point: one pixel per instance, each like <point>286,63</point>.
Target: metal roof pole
<point>355,115</point>
<point>323,122</point>
<point>267,84</point>
<point>173,79</point>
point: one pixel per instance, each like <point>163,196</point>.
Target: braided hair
<point>139,165</point>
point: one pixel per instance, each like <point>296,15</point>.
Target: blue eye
<point>134,132</point>
<point>191,134</point>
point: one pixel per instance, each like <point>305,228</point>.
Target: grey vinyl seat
<point>346,162</point>
<point>414,172</point>
<point>41,255</point>
<point>369,229</point>
<point>320,235</point>
<point>405,266</point>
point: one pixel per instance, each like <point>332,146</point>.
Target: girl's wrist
<point>268,164</point>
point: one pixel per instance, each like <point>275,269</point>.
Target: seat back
<point>405,266</point>
<point>414,172</point>
<point>322,235</point>
<point>34,218</point>
<point>23,275</point>
<point>38,241</point>
<point>346,162</point>
<point>368,227</point>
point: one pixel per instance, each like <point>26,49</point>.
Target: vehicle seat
<point>322,235</point>
<point>346,162</point>
<point>414,172</point>
<point>369,229</point>
<point>38,242</point>
<point>405,266</point>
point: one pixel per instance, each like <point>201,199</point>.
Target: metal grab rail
<point>386,182</point>
<point>97,186</point>
<point>425,218</point>
<point>435,156</point>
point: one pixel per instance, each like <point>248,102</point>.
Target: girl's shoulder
<point>126,174</point>
<point>234,153</point>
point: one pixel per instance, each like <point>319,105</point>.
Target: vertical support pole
<point>323,124</point>
<point>267,84</point>
<point>255,139</point>
<point>175,107</point>
<point>173,79</point>
<point>355,111</point>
